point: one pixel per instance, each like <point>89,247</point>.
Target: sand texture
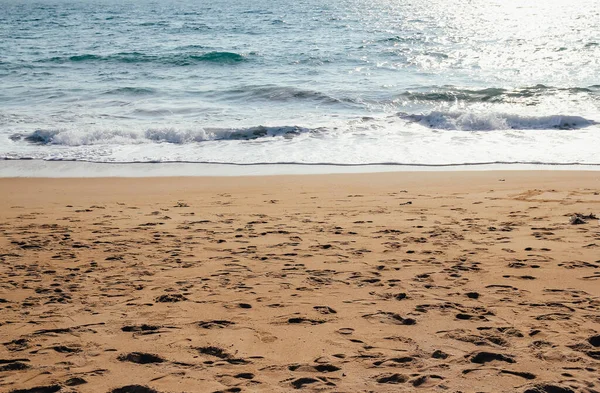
<point>446,282</point>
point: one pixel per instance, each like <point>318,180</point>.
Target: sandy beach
<point>448,282</point>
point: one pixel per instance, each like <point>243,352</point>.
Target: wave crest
<point>156,135</point>
<point>279,93</point>
<point>489,121</point>
<point>180,59</point>
<point>490,95</point>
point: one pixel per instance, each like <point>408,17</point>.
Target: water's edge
<point>76,169</point>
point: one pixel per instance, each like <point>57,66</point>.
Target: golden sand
<point>446,282</point>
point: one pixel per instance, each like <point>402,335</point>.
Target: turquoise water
<point>341,82</point>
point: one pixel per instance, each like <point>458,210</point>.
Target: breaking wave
<point>158,135</point>
<point>489,121</point>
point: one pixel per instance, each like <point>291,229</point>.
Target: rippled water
<point>343,81</point>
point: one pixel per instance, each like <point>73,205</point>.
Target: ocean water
<point>437,82</point>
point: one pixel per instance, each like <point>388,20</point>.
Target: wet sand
<point>448,281</point>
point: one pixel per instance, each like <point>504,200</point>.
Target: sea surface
<point>350,82</point>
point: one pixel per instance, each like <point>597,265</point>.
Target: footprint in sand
<point>134,389</point>
<point>141,358</point>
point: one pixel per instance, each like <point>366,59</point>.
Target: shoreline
<point>82,169</point>
<point>369,182</point>
<point>388,282</point>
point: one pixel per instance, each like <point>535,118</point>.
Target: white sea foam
<point>386,140</point>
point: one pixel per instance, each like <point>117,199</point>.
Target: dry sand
<point>465,281</point>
